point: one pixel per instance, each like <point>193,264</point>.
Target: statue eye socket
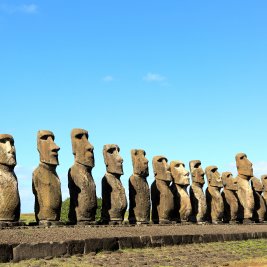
<point>197,165</point>
<point>79,136</point>
<point>111,150</point>
<point>44,137</point>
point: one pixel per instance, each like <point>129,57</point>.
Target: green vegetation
<point>27,217</point>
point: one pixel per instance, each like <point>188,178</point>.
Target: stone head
<point>112,159</point>
<point>47,148</point>
<point>213,176</point>
<point>264,181</point>
<point>161,168</point>
<point>179,174</point>
<point>256,185</point>
<point>7,150</point>
<point>140,162</point>
<point>197,172</point>
<point>82,150</point>
<point>244,166</point>
<point>229,182</point>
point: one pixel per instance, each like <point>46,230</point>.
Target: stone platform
<point>40,242</point>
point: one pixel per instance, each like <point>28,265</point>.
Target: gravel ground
<point>235,253</point>
<point>27,235</point>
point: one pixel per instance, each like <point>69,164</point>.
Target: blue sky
<point>185,79</point>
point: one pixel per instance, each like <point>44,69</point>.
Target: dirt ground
<point>234,253</point>
<point>15,236</point>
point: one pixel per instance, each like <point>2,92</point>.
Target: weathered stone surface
<point>45,181</point>
<point>215,207</point>
<point>182,203</point>
<point>259,207</point>
<point>93,245</point>
<point>39,250</point>
<point>264,195</point>
<point>230,198</point>
<point>197,196</point>
<point>6,253</point>
<point>244,192</point>
<point>83,201</point>
<point>114,202</point>
<point>75,247</point>
<point>139,193</point>
<point>9,194</point>
<point>161,194</point>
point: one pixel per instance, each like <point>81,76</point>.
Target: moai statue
<point>83,201</point>
<point>264,195</point>
<point>139,193</point>
<point>259,207</point>
<point>244,192</point>
<point>215,207</point>
<point>114,202</point>
<point>230,198</point>
<point>161,194</point>
<point>45,181</point>
<point>9,194</point>
<point>182,203</point>
<point>197,196</point>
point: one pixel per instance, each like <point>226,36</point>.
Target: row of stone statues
<point>241,200</point>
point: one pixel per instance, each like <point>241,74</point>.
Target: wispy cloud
<point>25,8</point>
<point>154,77</point>
<point>108,78</point>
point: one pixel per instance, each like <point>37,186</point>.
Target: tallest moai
<point>244,192</point>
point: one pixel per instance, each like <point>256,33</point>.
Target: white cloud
<point>154,77</point>
<point>30,9</point>
<point>25,8</point>
<point>108,78</point>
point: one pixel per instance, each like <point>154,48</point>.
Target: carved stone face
<point>229,182</point>
<point>161,168</point>
<point>140,162</point>
<point>112,159</point>
<point>7,150</point>
<point>197,172</point>
<point>213,176</point>
<point>264,181</point>
<point>256,184</point>
<point>81,148</point>
<point>244,166</point>
<point>179,173</point>
<point>47,148</point>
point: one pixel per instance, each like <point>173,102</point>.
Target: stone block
<point>6,253</point>
<point>93,245</point>
<point>29,251</point>
<point>146,241</point>
<point>157,241</point>
<point>75,247</point>
<point>136,242</point>
<point>110,244</point>
<point>187,239</point>
<point>125,242</point>
<point>177,239</point>
<point>197,239</point>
